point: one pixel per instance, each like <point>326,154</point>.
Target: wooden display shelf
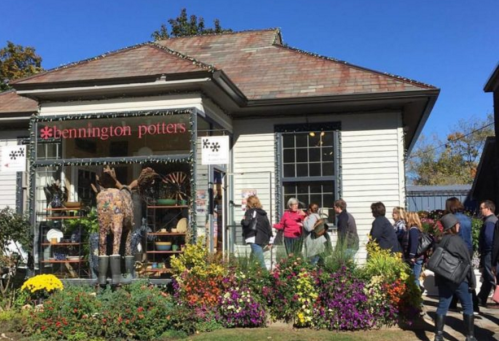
<point>63,261</point>
<point>165,234</point>
<point>162,270</point>
<point>64,209</point>
<point>63,217</point>
<point>171,206</point>
<point>61,244</point>
<point>179,251</point>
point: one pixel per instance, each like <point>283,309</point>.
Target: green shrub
<point>14,320</point>
<point>384,263</point>
<point>137,311</point>
<point>66,313</point>
<point>186,320</point>
<point>13,227</point>
<point>389,277</point>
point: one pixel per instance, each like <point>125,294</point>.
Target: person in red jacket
<point>291,223</point>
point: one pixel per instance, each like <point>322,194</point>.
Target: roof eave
<point>16,115</point>
<point>111,81</point>
<point>122,87</point>
<point>488,142</point>
<point>424,117</point>
<point>344,98</point>
<point>493,81</point>
<point>230,87</point>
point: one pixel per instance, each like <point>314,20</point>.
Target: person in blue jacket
<point>485,242</point>
<point>382,231</point>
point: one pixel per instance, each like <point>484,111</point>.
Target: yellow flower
<point>41,283</point>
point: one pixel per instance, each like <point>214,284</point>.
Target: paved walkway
<point>486,324</point>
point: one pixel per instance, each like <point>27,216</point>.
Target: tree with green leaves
<point>16,62</point>
<point>15,237</point>
<point>183,26</point>
<point>454,160</point>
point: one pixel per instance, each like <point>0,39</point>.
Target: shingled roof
<point>137,61</point>
<point>256,61</point>
<point>12,103</point>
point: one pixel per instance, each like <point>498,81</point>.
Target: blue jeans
<point>257,254</point>
<point>445,293</point>
<point>293,245</point>
<point>488,277</point>
<point>416,270</point>
<point>314,259</point>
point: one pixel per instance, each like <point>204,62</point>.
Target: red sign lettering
<point>110,131</point>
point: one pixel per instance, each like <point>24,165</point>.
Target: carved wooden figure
<point>115,214</point>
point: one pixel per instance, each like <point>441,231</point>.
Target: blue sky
<point>453,45</point>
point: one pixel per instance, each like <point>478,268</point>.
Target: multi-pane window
<point>309,167</point>
<point>308,154</point>
<point>49,150</point>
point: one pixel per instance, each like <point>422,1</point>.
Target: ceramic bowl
<point>70,204</point>
<point>166,202</point>
<point>163,246</point>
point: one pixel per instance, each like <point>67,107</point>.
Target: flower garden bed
<point>208,293</point>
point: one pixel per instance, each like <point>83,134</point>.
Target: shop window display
<point>74,187</point>
<point>145,221</point>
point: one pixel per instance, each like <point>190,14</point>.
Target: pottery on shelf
<point>166,202</point>
<point>163,246</point>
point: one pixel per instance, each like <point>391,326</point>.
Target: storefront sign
<point>13,159</point>
<point>215,150</point>
<point>106,132</point>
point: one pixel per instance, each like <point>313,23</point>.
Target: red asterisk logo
<point>45,133</point>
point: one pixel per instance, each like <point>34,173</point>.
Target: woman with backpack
<point>410,243</point>
<point>454,246</point>
<point>453,205</point>
<point>256,228</point>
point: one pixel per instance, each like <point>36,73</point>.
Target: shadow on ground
<point>486,324</point>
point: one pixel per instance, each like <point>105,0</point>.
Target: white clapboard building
<point>298,125</point>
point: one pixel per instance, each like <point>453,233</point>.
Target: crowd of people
<point>304,233</point>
